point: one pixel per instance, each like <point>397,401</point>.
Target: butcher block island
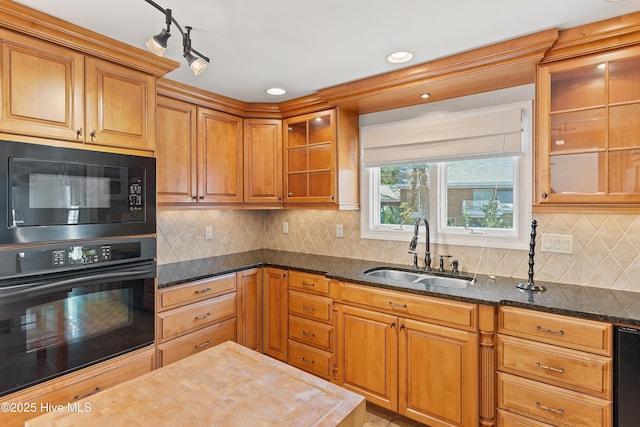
<point>226,385</point>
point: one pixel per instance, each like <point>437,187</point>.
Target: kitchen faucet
<point>414,243</point>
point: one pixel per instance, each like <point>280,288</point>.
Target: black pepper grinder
<point>530,285</point>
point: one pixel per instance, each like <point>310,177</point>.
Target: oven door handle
<point>39,286</point>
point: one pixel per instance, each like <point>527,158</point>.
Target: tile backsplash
<point>606,248</point>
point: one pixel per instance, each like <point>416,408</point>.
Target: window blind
<point>455,136</point>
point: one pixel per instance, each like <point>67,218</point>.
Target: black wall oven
<point>55,194</point>
<point>65,306</point>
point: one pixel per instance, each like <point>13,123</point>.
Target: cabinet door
<point>263,161</point>
<point>438,372</point>
<point>275,313</point>
<point>42,88</point>
<point>369,355</point>
<point>120,106</point>
<point>588,120</point>
<point>220,154</point>
<point>310,158</point>
<point>176,169</point>
<point>250,308</point>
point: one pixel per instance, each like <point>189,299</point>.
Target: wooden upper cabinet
<point>42,88</point>
<point>49,91</point>
<point>176,152</point>
<point>263,161</point>
<point>588,122</point>
<point>321,159</point>
<point>220,151</point>
<point>120,106</point>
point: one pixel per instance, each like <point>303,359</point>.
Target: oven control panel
<point>73,255</point>
<point>80,255</point>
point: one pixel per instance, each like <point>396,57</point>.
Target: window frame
<point>440,233</point>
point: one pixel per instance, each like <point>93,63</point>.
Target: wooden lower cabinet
<point>196,342</point>
<point>250,308</point>
<point>438,374</point>
<point>553,370</point>
<point>424,371</point>
<point>275,311</point>
<point>368,348</point>
<point>75,386</point>
<point>195,316</point>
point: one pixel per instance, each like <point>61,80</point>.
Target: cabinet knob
<point>92,134</point>
<point>78,133</point>
<point>544,195</point>
<point>331,197</point>
<point>289,194</point>
<point>201,197</point>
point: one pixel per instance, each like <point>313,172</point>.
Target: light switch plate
<point>285,228</point>
<point>339,230</point>
<point>557,243</point>
<point>208,233</point>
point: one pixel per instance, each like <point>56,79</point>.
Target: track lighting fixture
<point>158,43</point>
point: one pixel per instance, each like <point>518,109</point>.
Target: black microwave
<point>55,194</point>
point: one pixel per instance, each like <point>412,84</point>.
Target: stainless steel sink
<point>425,278</point>
<point>394,275</point>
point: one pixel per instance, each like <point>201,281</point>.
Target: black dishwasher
<point>627,377</point>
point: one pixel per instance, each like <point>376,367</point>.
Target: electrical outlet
<point>285,228</point>
<point>208,233</point>
<point>339,230</point>
<point>557,243</point>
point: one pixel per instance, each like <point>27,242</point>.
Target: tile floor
<point>380,417</point>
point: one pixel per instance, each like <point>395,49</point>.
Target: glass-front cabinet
<point>310,158</point>
<point>588,132</point>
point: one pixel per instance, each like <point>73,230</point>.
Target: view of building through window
<point>479,193</point>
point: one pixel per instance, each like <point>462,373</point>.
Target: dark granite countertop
<point>622,307</point>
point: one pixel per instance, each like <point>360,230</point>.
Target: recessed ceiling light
<point>276,91</point>
<point>425,95</point>
<point>400,56</point>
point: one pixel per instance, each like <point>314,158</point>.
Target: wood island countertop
<point>227,385</point>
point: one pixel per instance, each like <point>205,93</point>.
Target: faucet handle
<point>441,264</point>
<point>454,267</point>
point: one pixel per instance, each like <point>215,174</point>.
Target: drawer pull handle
<point>306,308</point>
<point>204,344</point>
<point>395,305</point>
<point>546,408</point>
<point>204,316</point>
<point>549,331</point>
<point>202,291</point>
<point>91,393</point>
<point>549,368</point>
<point>307,360</point>
<point>308,284</point>
<point>308,334</point>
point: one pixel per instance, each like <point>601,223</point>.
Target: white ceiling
<point>303,46</point>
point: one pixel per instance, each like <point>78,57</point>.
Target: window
<point>478,200</point>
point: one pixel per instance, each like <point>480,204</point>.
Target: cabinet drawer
<point>579,334</point>
<point>309,283</point>
<point>309,359</point>
<point>436,310</point>
<point>552,404</point>
<point>197,341</point>
<point>310,306</point>
<point>309,332</point>
<point>584,372</point>
<point>507,419</point>
<point>176,296</point>
<point>196,316</point>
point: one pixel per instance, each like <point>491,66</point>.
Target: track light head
<point>158,43</point>
<point>196,64</point>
